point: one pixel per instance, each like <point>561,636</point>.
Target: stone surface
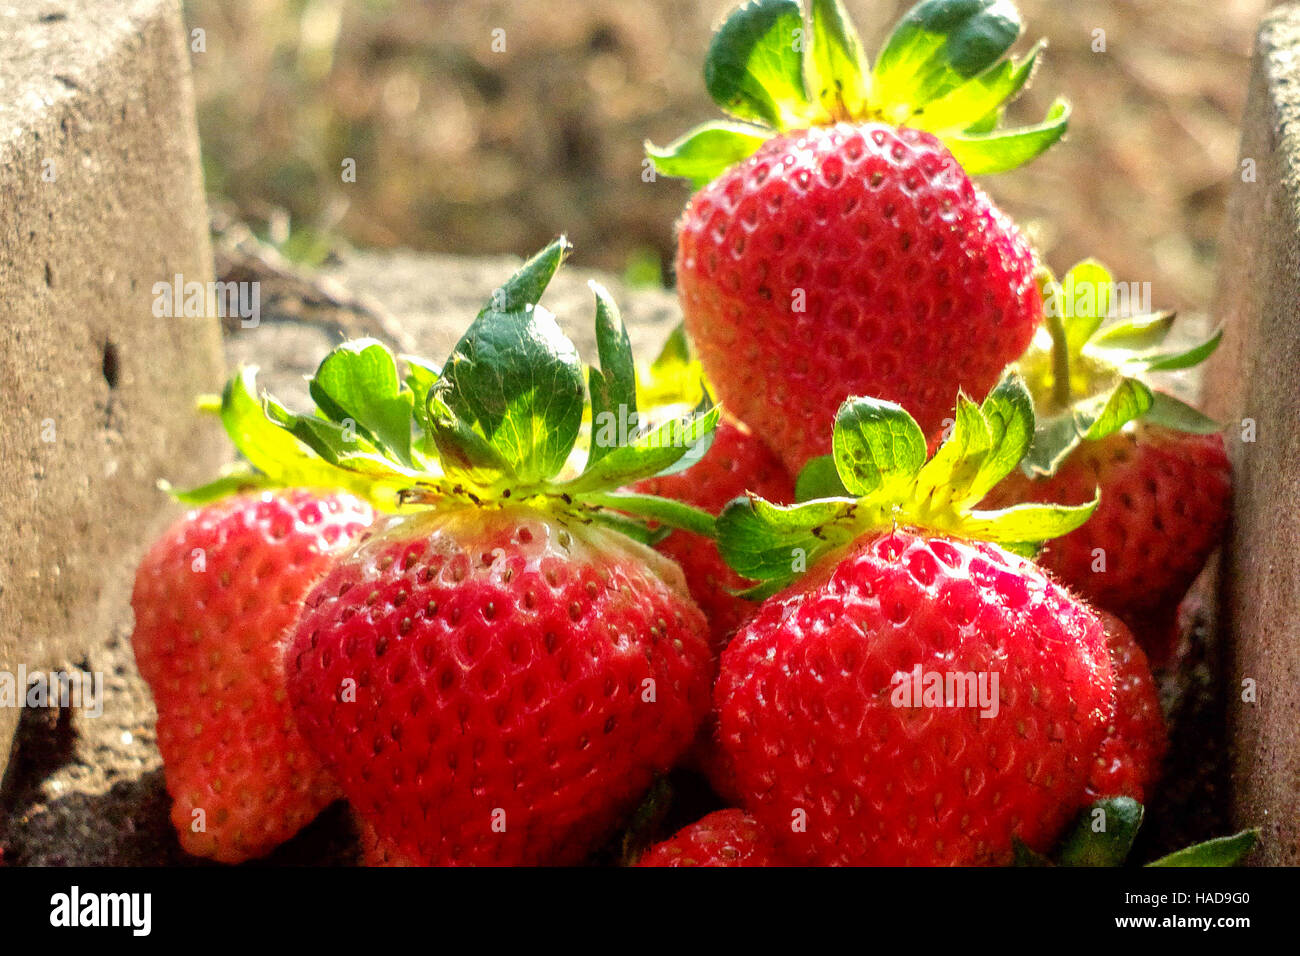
<point>89,790</point>
<point>1256,376</point>
<point>102,197</point>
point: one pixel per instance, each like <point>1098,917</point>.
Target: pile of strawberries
<point>491,603</point>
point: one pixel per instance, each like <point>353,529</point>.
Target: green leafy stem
<point>499,422</point>
<point>878,476</point>
<point>945,69</point>
<point>1090,380</point>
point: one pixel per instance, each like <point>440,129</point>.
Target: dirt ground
<point>461,148</point>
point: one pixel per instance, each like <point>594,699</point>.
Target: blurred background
<point>487,126</point>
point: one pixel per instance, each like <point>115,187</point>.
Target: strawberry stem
<point>1060,359</point>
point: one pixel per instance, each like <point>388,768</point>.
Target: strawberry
<point>497,673</point>
<point>921,695</point>
<point>213,600</point>
<point>1163,474</point>
<point>723,838</point>
<point>1128,760</point>
<point>735,463</point>
<point>1164,504</point>
<point>838,246</point>
<point>515,650</point>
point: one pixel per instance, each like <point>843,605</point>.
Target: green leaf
<point>676,351</point>
<point>357,382</point>
<point>1005,149</point>
<point>1169,412</point>
<point>515,381</point>
<point>674,377</point>
<point>665,511</point>
<point>948,476</point>
<point>341,445</point>
<point>649,454</point>
<point>1087,420</point>
<point>270,448</point>
<point>613,385</point>
<point>1219,852</point>
<point>1054,439</point>
<point>1189,358</point>
<point>938,46</point>
<point>698,444</point>
<point>1008,412</point>
<point>1136,334</point>
<point>524,289</point>
<point>1084,301</point>
<point>819,479</point>
<point>1103,833</point>
<point>775,543</point>
<point>1028,523</point>
<point>834,64</point>
<point>421,376</point>
<point>703,153</point>
<point>234,481</point>
<point>976,106</point>
<point>754,69</point>
<point>460,447</point>
<point>1107,413</point>
<point>876,444</point>
<point>879,456</point>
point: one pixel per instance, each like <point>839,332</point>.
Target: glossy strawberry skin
<point>1164,503</point>
<point>807,713</point>
<point>735,463</point>
<point>723,838</point>
<point>516,683</point>
<point>213,600</point>
<point>850,260</point>
<point>1127,763</point>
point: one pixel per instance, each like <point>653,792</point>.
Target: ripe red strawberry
<point>737,462</point>
<point>499,671</point>
<point>1164,504</point>
<point>1162,474</point>
<point>213,600</point>
<point>723,838</point>
<point>841,261</point>
<point>807,717</point>
<point>827,701</point>
<point>850,253</point>
<point>478,682</point>
<point>1128,761</point>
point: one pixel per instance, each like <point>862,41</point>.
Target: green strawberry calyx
<point>1104,832</point>
<point>878,477</point>
<point>1088,381</point>
<point>944,69</point>
<point>497,424</point>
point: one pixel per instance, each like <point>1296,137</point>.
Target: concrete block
<point>100,198</point>
<point>1254,385</point>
